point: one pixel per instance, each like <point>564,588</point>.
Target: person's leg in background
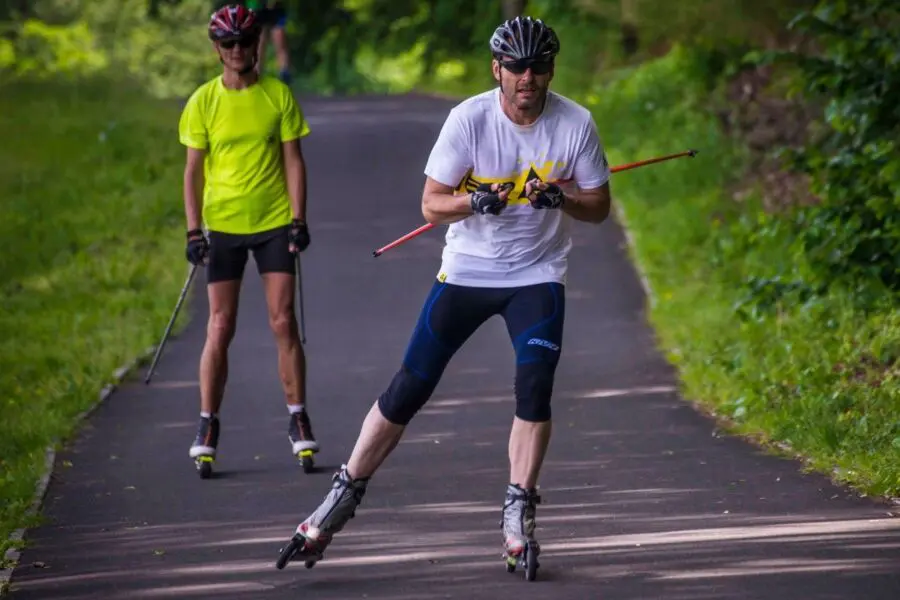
<point>279,40</point>
<point>224,270</point>
<point>261,48</point>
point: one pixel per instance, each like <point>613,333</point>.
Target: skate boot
<point>203,450</point>
<point>314,534</point>
<point>518,525</point>
<point>303,443</point>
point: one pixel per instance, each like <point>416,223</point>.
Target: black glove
<point>484,201</point>
<point>298,235</point>
<point>552,197</point>
<point>197,247</point>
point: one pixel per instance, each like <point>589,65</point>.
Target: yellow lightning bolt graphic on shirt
<point>517,195</point>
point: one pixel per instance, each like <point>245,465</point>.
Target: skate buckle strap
<point>520,500</point>
<point>342,481</point>
<point>530,495</point>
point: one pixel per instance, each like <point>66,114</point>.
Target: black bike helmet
<point>523,38</point>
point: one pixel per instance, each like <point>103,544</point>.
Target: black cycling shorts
<point>228,254</point>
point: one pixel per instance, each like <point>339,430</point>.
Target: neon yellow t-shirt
<point>242,132</point>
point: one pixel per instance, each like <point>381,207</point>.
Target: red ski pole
<point>616,169</point>
<point>405,238</point>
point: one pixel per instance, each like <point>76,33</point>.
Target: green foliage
<point>169,53</point>
<point>92,219</point>
<point>162,45</point>
<point>45,49</point>
<point>853,237</point>
<point>587,40</point>
<point>387,45</point>
<point>790,361</point>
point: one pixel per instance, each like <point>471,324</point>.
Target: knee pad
<point>534,388</point>
<point>406,395</point>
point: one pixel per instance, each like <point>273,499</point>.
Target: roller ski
<point>517,524</point>
<point>303,443</point>
<point>203,450</point>
<point>313,535</point>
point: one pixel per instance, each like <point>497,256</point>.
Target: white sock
<point>205,415</point>
<point>295,408</point>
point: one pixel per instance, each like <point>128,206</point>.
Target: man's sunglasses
<point>245,42</point>
<point>517,67</point>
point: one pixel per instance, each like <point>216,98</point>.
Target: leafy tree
<point>853,237</point>
<point>159,43</point>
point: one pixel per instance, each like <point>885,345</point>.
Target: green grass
<point>819,375</point>
<point>90,181</point>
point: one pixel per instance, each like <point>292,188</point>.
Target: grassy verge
<point>89,192</point>
<point>819,377</point>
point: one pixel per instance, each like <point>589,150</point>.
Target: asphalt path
<point>643,498</point>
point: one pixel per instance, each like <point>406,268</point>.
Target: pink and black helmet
<point>233,21</point>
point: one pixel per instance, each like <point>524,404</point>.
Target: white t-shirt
<point>480,144</point>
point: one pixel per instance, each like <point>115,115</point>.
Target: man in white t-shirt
<point>509,171</point>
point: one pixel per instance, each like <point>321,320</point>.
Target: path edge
<point>622,220</point>
<point>13,554</point>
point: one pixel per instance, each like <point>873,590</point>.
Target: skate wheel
<point>309,564</point>
<point>306,461</point>
<point>510,567</point>
<point>288,552</point>
<point>204,466</point>
<point>531,562</point>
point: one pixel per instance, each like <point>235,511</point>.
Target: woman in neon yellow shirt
<point>245,180</point>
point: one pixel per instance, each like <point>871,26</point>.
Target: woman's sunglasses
<point>245,42</point>
<point>517,67</point>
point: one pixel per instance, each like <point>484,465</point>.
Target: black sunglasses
<point>245,42</point>
<point>537,66</point>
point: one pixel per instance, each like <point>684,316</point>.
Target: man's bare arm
<point>591,206</point>
<point>441,206</point>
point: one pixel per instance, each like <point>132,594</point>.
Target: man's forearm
<point>591,208</point>
<point>441,209</point>
<point>296,185</point>
<point>193,198</point>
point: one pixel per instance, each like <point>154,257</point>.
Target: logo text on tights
<point>544,343</point>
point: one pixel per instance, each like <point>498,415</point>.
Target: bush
<point>792,360</point>
<point>853,238</point>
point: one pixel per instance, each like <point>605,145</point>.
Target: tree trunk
<point>628,24</point>
<point>513,8</point>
